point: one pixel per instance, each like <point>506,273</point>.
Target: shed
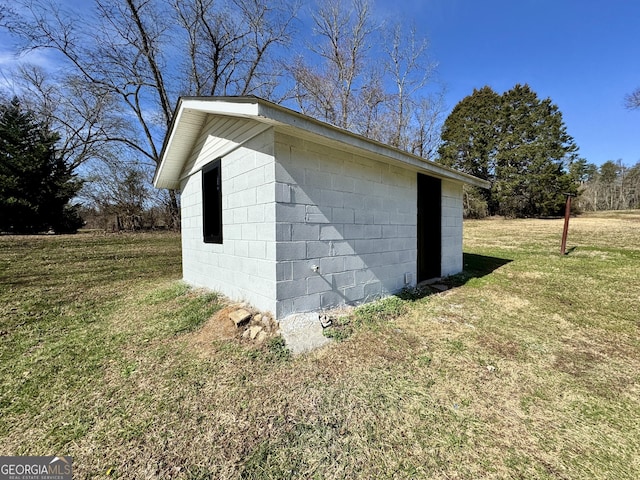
<point>292,215</point>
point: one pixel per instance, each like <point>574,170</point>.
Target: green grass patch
<point>368,315</point>
<point>193,311</point>
<point>527,367</point>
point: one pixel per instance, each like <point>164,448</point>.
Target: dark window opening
<point>212,202</point>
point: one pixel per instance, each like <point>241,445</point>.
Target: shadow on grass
<point>475,266</point>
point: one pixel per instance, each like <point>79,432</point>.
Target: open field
<point>528,368</point>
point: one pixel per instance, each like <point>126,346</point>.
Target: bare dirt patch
<point>255,331</point>
<point>218,327</point>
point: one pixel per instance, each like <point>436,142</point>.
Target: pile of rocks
<point>256,327</point>
<point>302,332</point>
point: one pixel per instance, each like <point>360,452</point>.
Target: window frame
<point>212,202</point>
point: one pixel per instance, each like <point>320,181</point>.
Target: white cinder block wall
<point>243,267</point>
<point>451,228</point>
<point>352,217</point>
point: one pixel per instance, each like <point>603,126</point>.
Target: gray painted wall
<point>351,216</point>
<point>243,267</point>
<point>290,204</point>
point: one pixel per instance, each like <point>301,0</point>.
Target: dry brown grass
<point>528,370</point>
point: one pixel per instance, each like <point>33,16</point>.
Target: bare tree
<point>230,45</point>
<point>632,101</point>
<point>128,51</point>
<point>213,42</point>
<point>118,56</point>
<point>634,186</point>
<point>117,194</point>
<point>424,136</point>
<point>410,71</point>
<point>81,113</point>
<point>369,78</point>
<point>333,90</point>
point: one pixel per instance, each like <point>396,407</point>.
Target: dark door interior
<point>429,227</point>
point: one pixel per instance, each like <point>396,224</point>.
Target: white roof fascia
<point>202,107</point>
<point>245,106</point>
<point>168,147</point>
<point>281,115</point>
<point>273,114</point>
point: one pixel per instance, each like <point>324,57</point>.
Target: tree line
<point>124,64</point>
<point>612,186</point>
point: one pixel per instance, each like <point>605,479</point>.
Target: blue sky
<point>583,54</point>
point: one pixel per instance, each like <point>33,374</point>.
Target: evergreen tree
<point>470,136</point>
<point>36,184</point>
<point>516,141</point>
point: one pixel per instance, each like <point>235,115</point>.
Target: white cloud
<point>10,59</point>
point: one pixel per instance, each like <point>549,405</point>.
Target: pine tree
<point>36,184</point>
<point>516,141</point>
<point>470,135</point>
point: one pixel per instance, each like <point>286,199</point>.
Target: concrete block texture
<point>243,267</point>
<point>319,284</point>
<point>451,261</point>
<point>290,204</point>
<point>359,221</point>
<point>291,251</point>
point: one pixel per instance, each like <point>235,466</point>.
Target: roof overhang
<point>191,113</point>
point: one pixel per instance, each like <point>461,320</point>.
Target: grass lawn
<point>528,368</point>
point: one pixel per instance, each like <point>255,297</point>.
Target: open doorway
<point>429,227</point>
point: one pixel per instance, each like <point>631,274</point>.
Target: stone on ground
<point>253,331</point>
<point>239,316</point>
<point>429,281</point>
<point>262,336</point>
<point>302,332</point>
<point>440,287</point>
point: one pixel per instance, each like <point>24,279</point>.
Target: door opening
<point>429,227</point>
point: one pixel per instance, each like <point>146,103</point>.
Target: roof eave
<point>271,113</point>
<point>282,115</point>
<point>240,107</point>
